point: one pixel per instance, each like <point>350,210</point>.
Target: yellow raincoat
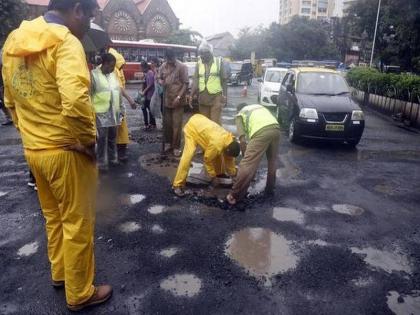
<point>122,132</point>
<point>47,82</point>
<point>213,139</point>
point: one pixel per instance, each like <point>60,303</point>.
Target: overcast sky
<point>216,16</point>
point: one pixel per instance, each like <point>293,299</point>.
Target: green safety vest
<point>214,83</point>
<point>256,117</point>
<point>107,92</point>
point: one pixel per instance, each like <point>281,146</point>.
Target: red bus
<point>135,52</point>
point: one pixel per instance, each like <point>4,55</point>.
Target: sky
<point>210,17</point>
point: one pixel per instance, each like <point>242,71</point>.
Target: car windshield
<point>274,76</point>
<point>321,83</point>
<point>235,67</point>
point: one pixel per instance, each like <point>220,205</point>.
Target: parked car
<point>270,85</point>
<point>315,103</point>
<point>240,72</point>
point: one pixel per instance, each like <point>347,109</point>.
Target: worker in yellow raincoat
<point>122,132</point>
<point>47,82</point>
<point>220,149</point>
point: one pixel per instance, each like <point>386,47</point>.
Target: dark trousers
<point>148,117</point>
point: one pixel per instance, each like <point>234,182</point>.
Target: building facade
<point>312,9</point>
<point>127,19</point>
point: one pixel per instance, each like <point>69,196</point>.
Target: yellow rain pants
<point>66,182</point>
<point>122,131</point>
<point>213,139</point>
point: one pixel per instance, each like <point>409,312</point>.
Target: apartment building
<point>313,9</point>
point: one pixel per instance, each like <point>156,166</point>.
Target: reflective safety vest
<point>256,117</point>
<point>107,91</point>
<point>214,83</point>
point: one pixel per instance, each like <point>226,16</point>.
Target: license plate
<point>334,127</point>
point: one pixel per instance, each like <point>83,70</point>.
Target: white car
<point>270,86</point>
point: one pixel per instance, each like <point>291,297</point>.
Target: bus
<point>136,51</point>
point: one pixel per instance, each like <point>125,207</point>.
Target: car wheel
<point>293,132</point>
<point>353,143</point>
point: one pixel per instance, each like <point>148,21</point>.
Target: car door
<point>291,100</point>
<point>283,100</point>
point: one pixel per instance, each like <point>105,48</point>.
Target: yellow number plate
<point>334,127</point>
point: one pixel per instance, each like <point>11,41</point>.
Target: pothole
<point>130,227</point>
<point>157,229</point>
<point>169,252</point>
<point>3,193</point>
<point>182,285</point>
<point>156,209</point>
<point>28,249</point>
<point>130,200</point>
<point>402,304</point>
<point>261,252</point>
<point>387,261</point>
<point>362,282</point>
<point>348,209</point>
<point>288,215</point>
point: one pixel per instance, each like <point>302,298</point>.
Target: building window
<point>306,11</point>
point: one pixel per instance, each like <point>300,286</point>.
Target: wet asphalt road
<point>340,236</point>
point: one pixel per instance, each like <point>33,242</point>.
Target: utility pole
<point>374,36</point>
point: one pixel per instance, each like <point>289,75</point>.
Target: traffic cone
<point>244,91</point>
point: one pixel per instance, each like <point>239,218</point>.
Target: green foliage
<point>184,37</point>
<point>300,39</point>
<point>398,38</point>
<point>387,84</point>
<point>12,12</point>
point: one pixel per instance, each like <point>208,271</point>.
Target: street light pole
<point>374,36</point>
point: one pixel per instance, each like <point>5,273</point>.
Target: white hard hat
<point>205,46</point>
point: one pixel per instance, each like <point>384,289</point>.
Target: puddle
<point>169,252</point>
<point>387,261</point>
<point>182,285</point>
<point>156,209</point>
<point>130,200</point>
<point>261,252</point>
<point>288,174</point>
<point>129,175</point>
<point>161,166</point>
<point>362,282</point>
<point>3,193</point>
<point>130,227</point>
<point>288,215</point>
<point>404,304</point>
<point>157,229</point>
<point>28,249</point>
<point>258,186</point>
<point>348,209</point>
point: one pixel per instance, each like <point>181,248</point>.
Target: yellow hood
<point>120,59</point>
<point>35,36</point>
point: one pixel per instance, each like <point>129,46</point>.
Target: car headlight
<point>308,113</point>
<point>357,115</point>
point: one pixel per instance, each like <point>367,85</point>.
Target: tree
<point>12,12</point>
<point>251,40</point>
<point>301,38</point>
<point>184,37</point>
<point>398,38</point>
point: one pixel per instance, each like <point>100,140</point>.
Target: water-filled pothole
<point>130,227</point>
<point>130,200</point>
<point>156,209</point>
<point>385,260</point>
<point>348,209</point>
<point>261,252</point>
<point>288,215</point>
<point>182,285</point>
<point>404,304</point>
<point>169,252</point>
<point>28,249</point>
